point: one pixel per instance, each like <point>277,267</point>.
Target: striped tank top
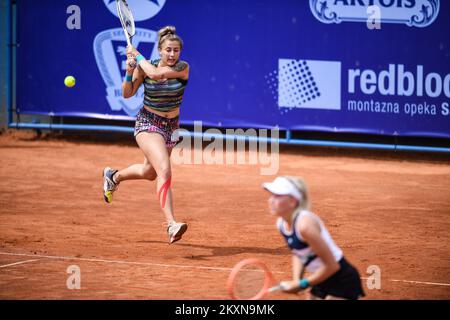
<point>163,96</point>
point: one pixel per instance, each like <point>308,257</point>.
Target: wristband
<point>128,78</point>
<point>303,283</point>
<point>139,58</point>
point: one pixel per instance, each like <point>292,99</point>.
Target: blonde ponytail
<point>302,188</point>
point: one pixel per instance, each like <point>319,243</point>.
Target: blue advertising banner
<point>362,66</point>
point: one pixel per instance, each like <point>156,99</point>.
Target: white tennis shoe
<point>175,230</point>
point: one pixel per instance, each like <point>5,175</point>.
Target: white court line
<point>415,282</point>
<point>16,263</point>
<point>178,266</point>
<point>115,261</point>
<point>422,282</point>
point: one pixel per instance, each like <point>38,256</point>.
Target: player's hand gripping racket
<point>127,20</point>
<point>251,279</point>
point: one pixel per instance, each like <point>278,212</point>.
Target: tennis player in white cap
<point>331,276</point>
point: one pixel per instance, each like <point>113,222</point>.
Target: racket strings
<point>249,282</point>
<point>126,18</point>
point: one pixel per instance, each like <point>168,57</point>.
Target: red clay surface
<point>392,211</point>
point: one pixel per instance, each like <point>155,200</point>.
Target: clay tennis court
<point>386,209</point>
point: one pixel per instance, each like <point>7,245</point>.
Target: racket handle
<point>275,288</point>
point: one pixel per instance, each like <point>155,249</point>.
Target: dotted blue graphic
<point>296,84</point>
<point>272,81</point>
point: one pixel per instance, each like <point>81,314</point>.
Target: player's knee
<point>165,173</point>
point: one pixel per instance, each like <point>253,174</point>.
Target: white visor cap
<point>282,186</point>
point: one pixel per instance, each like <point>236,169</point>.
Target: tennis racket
<point>127,20</point>
<point>251,279</point>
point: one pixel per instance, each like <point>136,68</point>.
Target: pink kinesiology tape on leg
<point>164,189</point>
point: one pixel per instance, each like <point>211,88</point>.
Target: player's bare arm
<point>179,71</point>
<point>310,231</point>
<point>296,268</point>
<point>129,88</point>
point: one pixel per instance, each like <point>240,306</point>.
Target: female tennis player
<point>331,275</point>
<point>164,80</point>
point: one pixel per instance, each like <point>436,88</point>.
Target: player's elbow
<point>126,93</point>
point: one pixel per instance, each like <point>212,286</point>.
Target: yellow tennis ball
<point>69,81</point>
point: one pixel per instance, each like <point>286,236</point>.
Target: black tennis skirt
<point>346,283</point>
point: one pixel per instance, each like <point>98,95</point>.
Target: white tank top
<point>300,248</point>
